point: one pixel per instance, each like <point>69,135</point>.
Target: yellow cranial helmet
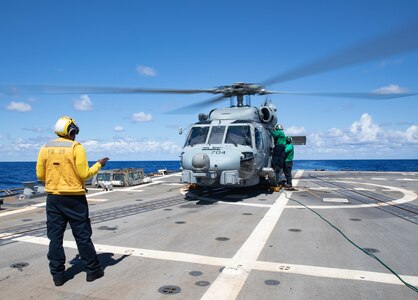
<point>66,126</point>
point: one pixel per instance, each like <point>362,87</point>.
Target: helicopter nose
<point>200,162</point>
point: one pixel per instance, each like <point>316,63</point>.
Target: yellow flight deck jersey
<point>62,164</point>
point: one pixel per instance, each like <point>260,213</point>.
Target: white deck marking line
<point>132,188</point>
<point>124,190</point>
<point>38,205</point>
<point>298,175</point>
<point>322,188</point>
<point>158,180</point>
<point>231,280</point>
<point>97,200</point>
<point>114,190</point>
<point>408,197</point>
<point>338,200</point>
<point>219,261</point>
<point>32,207</point>
<point>98,194</point>
<point>333,273</point>
<point>378,178</point>
<point>16,211</point>
<point>9,235</point>
<point>247,204</point>
<point>148,253</point>
<point>170,175</point>
<point>407,179</point>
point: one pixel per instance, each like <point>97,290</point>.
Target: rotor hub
<point>240,89</point>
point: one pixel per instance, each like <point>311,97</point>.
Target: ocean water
<point>12,174</point>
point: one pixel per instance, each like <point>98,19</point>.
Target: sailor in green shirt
<point>288,163</point>
<point>278,151</point>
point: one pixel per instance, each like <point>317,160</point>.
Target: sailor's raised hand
<point>103,161</point>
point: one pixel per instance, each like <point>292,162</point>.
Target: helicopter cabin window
<point>238,135</point>
<point>216,135</point>
<point>258,139</point>
<point>197,135</point>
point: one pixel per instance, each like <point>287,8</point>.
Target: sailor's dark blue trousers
<point>72,209</point>
<point>278,157</point>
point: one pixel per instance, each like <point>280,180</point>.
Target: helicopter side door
<point>259,147</point>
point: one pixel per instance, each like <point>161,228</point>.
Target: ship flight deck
<point>339,235</point>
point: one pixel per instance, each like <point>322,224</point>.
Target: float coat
<point>279,136</point>
<point>289,152</point>
<point>62,164</point>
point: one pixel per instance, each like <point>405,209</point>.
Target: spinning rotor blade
<point>372,96</point>
<point>51,89</point>
<point>399,41</point>
<point>193,107</point>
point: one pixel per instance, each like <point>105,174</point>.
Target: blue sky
<point>201,45</point>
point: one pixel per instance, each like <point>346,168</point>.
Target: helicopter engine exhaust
<point>267,114</point>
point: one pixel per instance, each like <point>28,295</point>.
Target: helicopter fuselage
<point>232,147</point>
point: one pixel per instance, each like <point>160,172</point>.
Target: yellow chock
<point>192,186</point>
<point>276,188</point>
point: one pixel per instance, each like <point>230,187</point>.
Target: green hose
<point>415,289</point>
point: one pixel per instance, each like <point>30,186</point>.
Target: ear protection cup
<point>73,129</point>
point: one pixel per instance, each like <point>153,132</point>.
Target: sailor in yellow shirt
<point>63,165</point>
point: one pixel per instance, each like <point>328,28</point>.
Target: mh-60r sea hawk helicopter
<point>232,146</point>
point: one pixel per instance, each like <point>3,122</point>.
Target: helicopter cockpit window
<point>197,135</point>
<point>216,135</point>
<point>238,135</point>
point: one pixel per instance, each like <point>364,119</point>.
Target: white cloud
<point>117,149</point>
<point>118,129</point>
<point>141,117</point>
<point>363,139</point>
<point>83,104</point>
<point>412,134</point>
<point>132,146</point>
<point>364,129</point>
<point>295,130</point>
<point>34,129</point>
<point>316,140</point>
<point>391,89</point>
<point>336,132</point>
<point>146,71</point>
<point>20,149</point>
<point>19,106</point>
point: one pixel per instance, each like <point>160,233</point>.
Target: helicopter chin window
<point>246,165</point>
